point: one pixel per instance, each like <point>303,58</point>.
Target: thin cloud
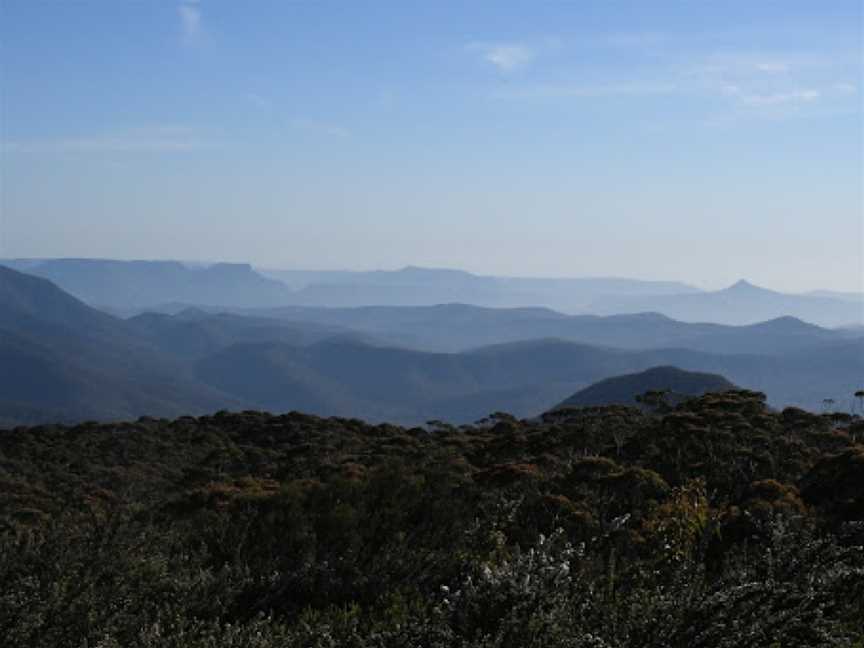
<point>168,139</point>
<point>762,63</point>
<point>781,98</point>
<point>384,99</point>
<point>785,82</point>
<point>319,127</point>
<point>768,99</point>
<point>190,20</point>
<point>577,90</point>
<point>258,101</point>
<point>507,57</point>
<point>773,67</point>
<point>630,40</point>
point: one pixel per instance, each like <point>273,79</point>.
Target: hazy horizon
<point>203,263</point>
<point>678,142</point>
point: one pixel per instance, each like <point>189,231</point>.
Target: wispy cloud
<point>737,85</point>
<point>629,40</point>
<point>780,98</point>
<point>258,101</point>
<point>161,139</point>
<point>773,82</point>
<point>190,19</point>
<point>506,57</point>
<point>773,67</point>
<point>319,127</point>
<point>554,90</point>
<point>385,99</point>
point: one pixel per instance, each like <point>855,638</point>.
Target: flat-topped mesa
<point>229,269</point>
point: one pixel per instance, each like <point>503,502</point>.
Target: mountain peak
<point>786,324</point>
<point>743,284</point>
<point>744,287</point>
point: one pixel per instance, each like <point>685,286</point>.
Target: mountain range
<point>64,360</point>
<point>741,303</point>
<point>413,286</point>
<point>460,327</point>
<point>132,287</point>
<point>127,285</point>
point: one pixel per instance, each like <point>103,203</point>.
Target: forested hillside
<point>66,361</point>
<point>718,523</point>
<point>61,360</point>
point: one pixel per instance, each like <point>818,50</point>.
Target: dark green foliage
<point>719,523</point>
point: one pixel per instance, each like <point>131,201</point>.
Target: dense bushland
<point>716,523</point>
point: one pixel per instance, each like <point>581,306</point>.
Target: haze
<point>694,142</point>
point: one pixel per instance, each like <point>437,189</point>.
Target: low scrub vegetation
<point>719,522</point>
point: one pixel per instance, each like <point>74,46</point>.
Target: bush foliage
<point>717,523</point>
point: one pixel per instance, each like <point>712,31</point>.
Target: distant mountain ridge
<point>194,334</point>
<point>623,390</point>
<point>741,303</point>
<point>135,284</point>
<point>129,287</point>
<point>834,294</point>
<point>416,276</point>
<point>65,360</point>
<point>415,286</point>
<point>26,300</point>
<point>459,327</point>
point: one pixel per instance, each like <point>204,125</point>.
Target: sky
<point>694,141</point>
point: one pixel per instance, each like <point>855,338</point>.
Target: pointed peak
<point>742,285</point>
<point>786,323</point>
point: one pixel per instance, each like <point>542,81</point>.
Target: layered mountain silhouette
<point>124,285</point>
<point>835,294</point>
<point>458,327</point>
<point>134,285</point>
<point>413,286</point>
<point>623,390</point>
<point>741,303</point>
<point>193,333</point>
<point>384,383</point>
<point>128,287</point>
<point>64,360</point>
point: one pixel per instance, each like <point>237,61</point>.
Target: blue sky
<point>673,140</point>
